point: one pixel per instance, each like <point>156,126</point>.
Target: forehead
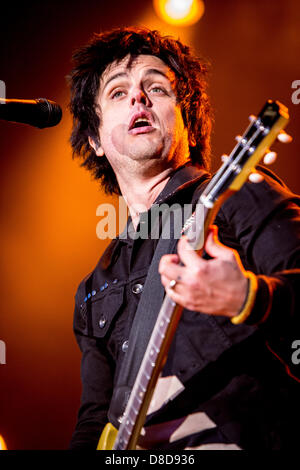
<point>139,64</point>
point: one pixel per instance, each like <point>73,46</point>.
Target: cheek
<point>118,137</point>
<point>173,125</point>
<point>112,136</point>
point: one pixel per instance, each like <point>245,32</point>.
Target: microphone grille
<point>50,113</point>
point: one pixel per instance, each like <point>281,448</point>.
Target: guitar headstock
<point>250,149</point>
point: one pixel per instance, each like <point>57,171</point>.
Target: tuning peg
<point>224,157</point>
<point>284,137</point>
<point>255,177</point>
<point>270,157</point>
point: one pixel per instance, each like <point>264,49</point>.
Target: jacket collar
<point>181,179</point>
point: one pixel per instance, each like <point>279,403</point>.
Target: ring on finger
<point>172,284</point>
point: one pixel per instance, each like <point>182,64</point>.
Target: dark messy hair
<point>91,60</point>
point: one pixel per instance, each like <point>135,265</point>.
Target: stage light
<point>2,444</point>
<point>179,12</point>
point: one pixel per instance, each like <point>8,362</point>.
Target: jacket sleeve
<point>97,379</point>
<point>262,221</point>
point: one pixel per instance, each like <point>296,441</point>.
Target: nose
<point>139,96</point>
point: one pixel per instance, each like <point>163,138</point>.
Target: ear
<point>97,147</point>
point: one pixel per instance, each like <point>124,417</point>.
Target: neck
<point>141,195</point>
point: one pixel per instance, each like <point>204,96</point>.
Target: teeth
<point>141,119</point>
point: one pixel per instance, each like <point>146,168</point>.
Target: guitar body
<point>107,438</point>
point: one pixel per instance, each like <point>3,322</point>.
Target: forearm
<point>277,301</point>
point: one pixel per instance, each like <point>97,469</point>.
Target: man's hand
<point>217,286</point>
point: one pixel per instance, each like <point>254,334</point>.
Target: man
<point>142,120</point>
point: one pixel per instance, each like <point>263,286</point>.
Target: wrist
<point>249,300</point>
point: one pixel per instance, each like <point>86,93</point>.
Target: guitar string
<point>235,161</point>
<point>154,345</point>
<point>226,164</point>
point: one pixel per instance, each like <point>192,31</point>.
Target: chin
<point>146,154</point>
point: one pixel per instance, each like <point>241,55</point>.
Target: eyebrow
<point>125,74</point>
<point>113,77</point>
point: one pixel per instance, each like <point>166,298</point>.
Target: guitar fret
<point>155,339</point>
<point>136,402</point>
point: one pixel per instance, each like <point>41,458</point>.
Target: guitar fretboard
<point>145,374</point>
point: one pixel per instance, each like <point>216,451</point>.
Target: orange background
<point>48,203</point>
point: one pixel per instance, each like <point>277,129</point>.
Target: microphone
<point>38,113</point>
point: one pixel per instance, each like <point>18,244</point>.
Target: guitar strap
<point>147,311</point>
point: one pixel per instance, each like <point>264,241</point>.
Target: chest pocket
<point>98,316</point>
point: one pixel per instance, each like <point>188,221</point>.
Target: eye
<point>157,89</point>
<point>117,94</point>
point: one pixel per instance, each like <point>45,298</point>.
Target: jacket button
<point>137,288</point>
<point>102,322</point>
<point>125,346</point>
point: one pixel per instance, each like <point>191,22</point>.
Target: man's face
<point>140,119</point>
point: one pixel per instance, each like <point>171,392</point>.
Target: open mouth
<point>140,122</point>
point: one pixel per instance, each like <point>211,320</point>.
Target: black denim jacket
<point>232,372</point>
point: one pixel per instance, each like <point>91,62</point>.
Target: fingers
<point>208,286</point>
<point>170,269</point>
<point>190,259</point>
<point>176,295</point>
<point>186,253</point>
<point>215,248</point>
<point>191,263</point>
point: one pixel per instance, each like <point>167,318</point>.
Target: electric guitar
<point>236,169</point>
